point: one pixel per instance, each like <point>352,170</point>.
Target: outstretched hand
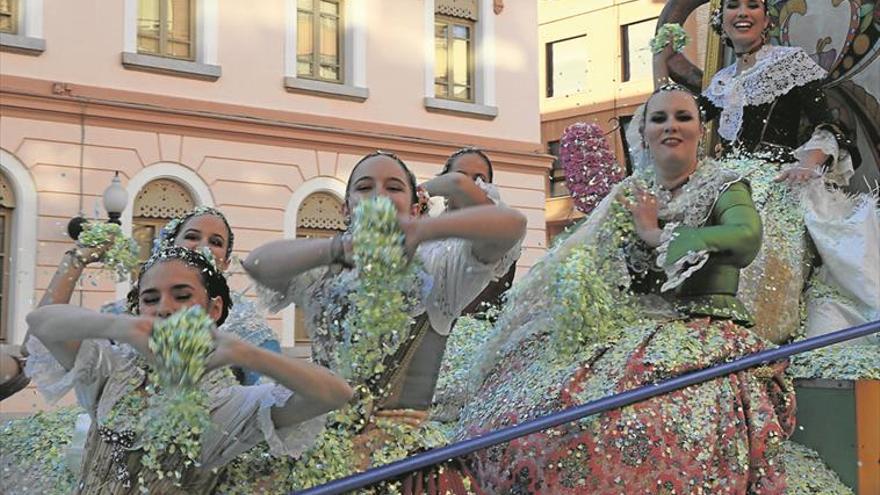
<point>94,254</point>
<point>644,210</point>
<point>798,175</point>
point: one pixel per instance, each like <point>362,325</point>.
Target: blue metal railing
<point>465,447</point>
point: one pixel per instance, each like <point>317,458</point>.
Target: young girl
<point>104,358</point>
<point>460,253</point>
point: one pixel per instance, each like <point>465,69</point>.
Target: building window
<point>9,16</point>
<point>319,216</point>
<point>453,58</point>
<point>166,28</point>
<point>558,188</point>
<point>623,124</point>
<point>567,66</point>
<point>7,207</point>
<point>157,203</point>
<point>319,43</point>
<point>637,57</point>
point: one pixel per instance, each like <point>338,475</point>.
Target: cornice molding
<point>32,99</point>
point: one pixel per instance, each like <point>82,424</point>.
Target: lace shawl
<point>691,208</point>
<point>777,70</point>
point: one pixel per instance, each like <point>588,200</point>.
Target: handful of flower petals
<point>177,412</point>
<point>379,320</point>
<point>121,255</point>
<point>669,33</point>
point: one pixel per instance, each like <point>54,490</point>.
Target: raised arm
<point>736,238</point>
<point>276,263</point>
<point>62,328</point>
<point>317,389</point>
<point>493,230</point>
<point>459,187</point>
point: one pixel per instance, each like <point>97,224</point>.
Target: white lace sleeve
<point>491,191</point>
<point>841,170</point>
<point>458,278</point>
<point>93,365</point>
<point>679,270</point>
<point>297,291</point>
<point>242,418</point>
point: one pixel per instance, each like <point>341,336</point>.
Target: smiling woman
<point>642,291</point>
<point>108,361</point>
<point>454,256</point>
<point>776,129</point>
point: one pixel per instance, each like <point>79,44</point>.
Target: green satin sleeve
<point>733,235</point>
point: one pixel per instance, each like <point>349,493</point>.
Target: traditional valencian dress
<point>769,116</point>
<point>603,313</point>
<point>401,379</point>
<point>32,468</point>
<point>109,381</point>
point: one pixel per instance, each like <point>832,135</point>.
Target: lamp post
<point>115,200</point>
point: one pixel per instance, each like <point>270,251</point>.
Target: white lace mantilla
<point>777,70</point>
<point>691,208</point>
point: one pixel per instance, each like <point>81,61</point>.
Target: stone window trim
<point>324,88</point>
<point>460,108</point>
<point>28,38</point>
<point>170,66</point>
<point>206,65</point>
<point>353,55</point>
<point>483,105</point>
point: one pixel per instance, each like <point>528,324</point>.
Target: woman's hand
<point>411,417</point>
<point>93,254</point>
<point>227,350</point>
<point>644,211</point>
<point>134,331</point>
<point>809,167</point>
<point>412,234</point>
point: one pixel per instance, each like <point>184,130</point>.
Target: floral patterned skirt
<point>339,453</point>
<point>721,436</point>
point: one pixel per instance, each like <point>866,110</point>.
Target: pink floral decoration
<point>590,166</point>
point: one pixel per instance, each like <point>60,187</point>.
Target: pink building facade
<point>229,104</point>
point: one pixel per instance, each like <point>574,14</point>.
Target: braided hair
<point>410,177</point>
<point>168,234</point>
<point>211,277</point>
<point>467,151</point>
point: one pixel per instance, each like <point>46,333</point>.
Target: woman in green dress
<point>642,291</point>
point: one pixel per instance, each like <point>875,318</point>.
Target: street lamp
<point>115,200</point>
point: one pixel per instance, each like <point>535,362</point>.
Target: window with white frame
<point>454,49</point>
<point>320,44</point>
<point>9,16</point>
<point>167,28</point>
<point>320,216</point>
<point>637,56</point>
<point>172,37</point>
<point>567,66</point>
<point>325,48</point>
<point>460,70</point>
<point>21,26</point>
<point>7,208</point>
